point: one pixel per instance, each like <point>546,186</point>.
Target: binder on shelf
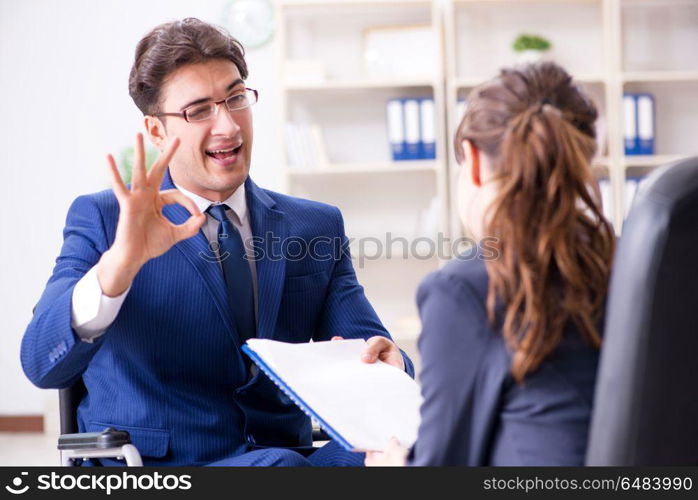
<point>294,153</point>
<point>360,405</point>
<point>305,146</point>
<point>427,120</point>
<point>427,226</point>
<point>645,124</point>
<point>317,141</point>
<point>638,113</point>
<point>631,185</point>
<point>412,135</point>
<point>396,128</point>
<point>606,199</point>
<point>630,124</point>
<point>460,110</point>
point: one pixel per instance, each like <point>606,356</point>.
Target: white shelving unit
<point>609,46</point>
<point>385,203</point>
<point>479,35</point>
<point>657,41</point>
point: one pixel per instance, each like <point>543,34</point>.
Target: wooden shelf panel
<point>367,168</point>
<point>526,1</point>
<point>359,84</point>
<point>603,161</point>
<point>378,3</point>
<point>469,82</point>
<point>660,76</point>
<point>651,160</point>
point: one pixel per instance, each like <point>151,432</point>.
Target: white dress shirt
<point>93,312</point>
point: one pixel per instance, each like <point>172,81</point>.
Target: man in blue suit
<point>159,283</point>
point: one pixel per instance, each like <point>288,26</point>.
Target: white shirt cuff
<point>92,311</point>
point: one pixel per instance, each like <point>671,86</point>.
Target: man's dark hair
<point>172,45</point>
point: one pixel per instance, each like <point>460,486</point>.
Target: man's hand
<point>143,232</point>
<point>394,455</point>
<point>381,348</point>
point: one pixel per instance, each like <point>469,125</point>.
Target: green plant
<point>126,161</point>
<point>530,42</point>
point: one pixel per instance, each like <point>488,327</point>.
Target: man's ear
<point>474,157</point>
<point>156,131</point>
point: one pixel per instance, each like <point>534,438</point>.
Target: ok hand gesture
<point>143,232</point>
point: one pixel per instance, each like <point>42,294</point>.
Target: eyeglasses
<point>207,110</point>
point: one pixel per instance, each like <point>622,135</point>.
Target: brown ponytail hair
<point>555,246</point>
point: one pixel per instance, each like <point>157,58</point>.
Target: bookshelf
<point>609,46</point>
<point>388,206</point>
<point>656,56</point>
<point>580,31</point>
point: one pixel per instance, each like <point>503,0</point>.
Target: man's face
<point>195,166</point>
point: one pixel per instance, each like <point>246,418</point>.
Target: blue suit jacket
<point>169,369</point>
<point>473,412</point>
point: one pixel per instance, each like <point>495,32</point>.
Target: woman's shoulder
<point>464,276</point>
<point>453,301</point>
<point>452,306</point>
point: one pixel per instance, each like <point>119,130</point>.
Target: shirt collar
<point>235,201</point>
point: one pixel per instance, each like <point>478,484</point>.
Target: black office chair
<point>75,447</point>
<point>646,406</point>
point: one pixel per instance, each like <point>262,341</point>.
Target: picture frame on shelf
<point>389,52</point>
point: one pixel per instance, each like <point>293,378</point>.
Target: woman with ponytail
<point>510,338</point>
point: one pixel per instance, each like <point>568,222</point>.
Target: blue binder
<point>639,123</point>
<point>396,128</point>
<point>427,128</point>
<point>412,130</point>
<point>630,124</point>
<point>645,124</point>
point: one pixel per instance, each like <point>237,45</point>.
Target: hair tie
<point>547,102</point>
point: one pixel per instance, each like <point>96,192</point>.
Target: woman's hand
<point>394,455</point>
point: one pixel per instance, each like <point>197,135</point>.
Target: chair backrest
<point>68,401</point>
<point>646,401</point>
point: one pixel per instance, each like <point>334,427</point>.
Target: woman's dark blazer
<point>473,412</point>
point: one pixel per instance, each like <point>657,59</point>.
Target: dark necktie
<point>236,272</point>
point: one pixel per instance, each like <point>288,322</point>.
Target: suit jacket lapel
<point>196,250</point>
<point>269,228</point>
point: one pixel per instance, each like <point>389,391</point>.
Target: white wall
<point>63,79</point>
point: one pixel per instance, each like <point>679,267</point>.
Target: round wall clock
<point>250,21</point>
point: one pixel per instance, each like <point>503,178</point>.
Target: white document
<point>363,404</point>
